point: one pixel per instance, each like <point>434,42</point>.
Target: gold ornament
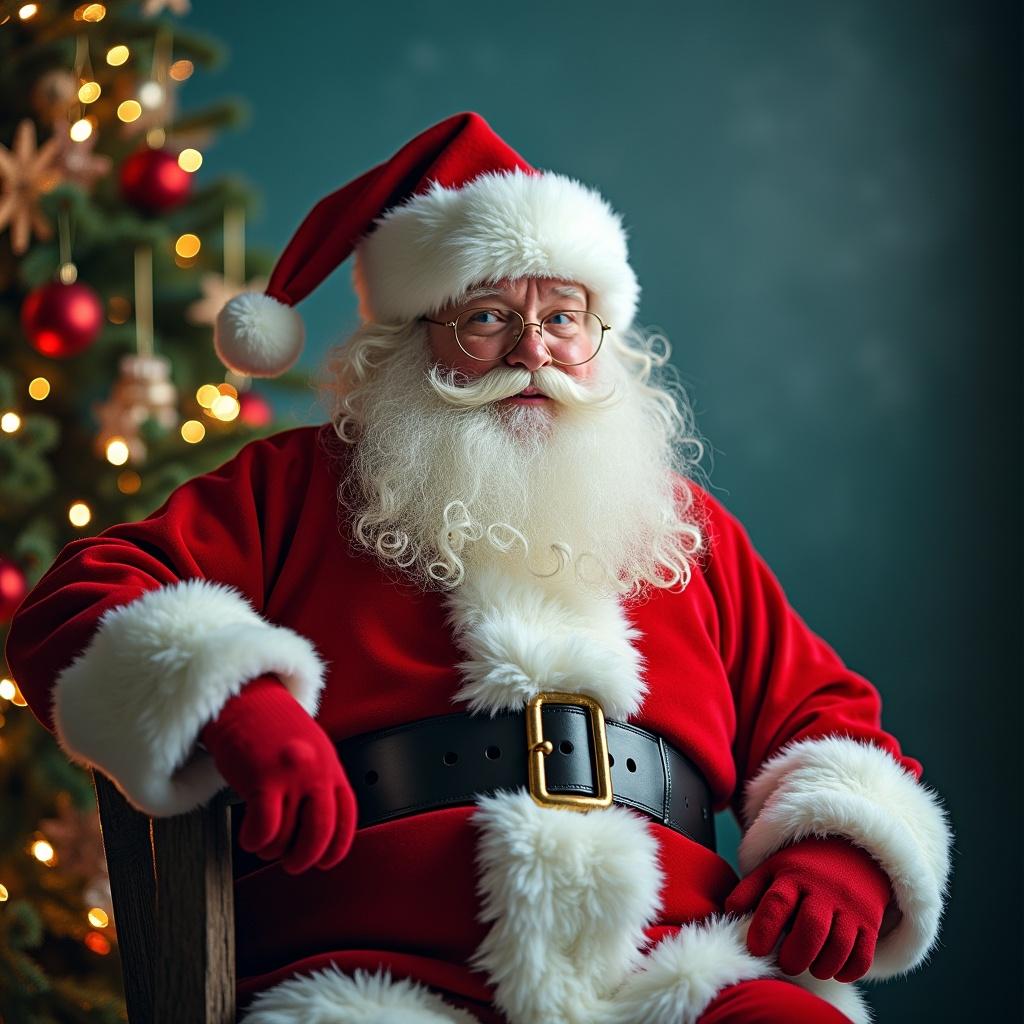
<point>26,173</point>
<point>143,391</point>
<point>217,290</point>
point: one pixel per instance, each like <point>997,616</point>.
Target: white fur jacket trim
<point>156,670</point>
<point>841,786</point>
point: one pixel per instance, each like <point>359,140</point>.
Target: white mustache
<point>464,392</point>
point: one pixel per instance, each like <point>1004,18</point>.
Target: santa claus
<point>482,651</point>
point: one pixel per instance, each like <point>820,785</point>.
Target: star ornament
<point>217,291</point>
<point>26,173</point>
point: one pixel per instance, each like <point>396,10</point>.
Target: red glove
<point>299,803</point>
<point>832,895</point>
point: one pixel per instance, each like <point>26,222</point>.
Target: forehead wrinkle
<point>563,290</point>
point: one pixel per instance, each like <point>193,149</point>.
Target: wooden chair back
<point>173,895</point>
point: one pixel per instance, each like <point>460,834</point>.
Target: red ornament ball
<point>61,320</point>
<point>152,181</point>
<point>254,410</point>
<point>13,588</point>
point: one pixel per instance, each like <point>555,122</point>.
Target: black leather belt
<point>452,759</point>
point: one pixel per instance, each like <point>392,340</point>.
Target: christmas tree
<point>115,257</point>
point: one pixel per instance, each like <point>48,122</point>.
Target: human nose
<point>530,351</point>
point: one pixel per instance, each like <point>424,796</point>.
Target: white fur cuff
<point>155,672</point>
<point>362,998</point>
<point>840,786</point>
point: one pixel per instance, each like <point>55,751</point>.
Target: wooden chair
<point>172,886</point>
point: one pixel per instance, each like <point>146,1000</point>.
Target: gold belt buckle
<point>539,748</point>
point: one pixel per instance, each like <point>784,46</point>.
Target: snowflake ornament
<point>26,173</point>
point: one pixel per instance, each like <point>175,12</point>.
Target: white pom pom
<point>257,335</point>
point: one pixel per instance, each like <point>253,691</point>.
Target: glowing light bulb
<point>90,12</point>
<point>38,388</point>
<point>3,893</point>
<point>98,917</point>
<point>117,451</point>
<point>27,11</point>
<point>97,943</point>
<point>7,689</point>
<point>129,111</point>
<point>117,55</point>
<point>180,70</point>
<point>79,514</point>
<point>89,92</point>
<point>151,94</point>
<point>187,246</point>
<point>190,160</point>
<point>225,408</point>
<point>9,422</point>
<point>193,431</point>
<point>80,130</point>
<point>206,395</point>
<point>42,851</point>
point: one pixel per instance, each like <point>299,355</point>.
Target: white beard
<point>583,487</point>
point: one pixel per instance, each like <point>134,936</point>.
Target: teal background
<point>823,201</point>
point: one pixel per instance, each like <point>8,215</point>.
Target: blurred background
<point>824,206</point>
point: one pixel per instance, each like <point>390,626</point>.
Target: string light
<point>7,689</point>
<point>187,246</point>
<point>38,388</point>
<point>79,514</point>
<point>190,160</point>
<point>90,12</point>
<point>80,130</point>
<point>44,852</point>
<point>117,451</point>
<point>193,431</point>
<point>98,917</point>
<point>129,111</point>
<point>225,408</point>
<point>228,389</point>
<point>151,94</point>
<point>97,943</point>
<point>117,55</point>
<point>27,11</point>
<point>129,481</point>
<point>3,893</point>
<point>89,92</point>
<point>10,422</point>
<point>156,137</point>
<point>206,395</point>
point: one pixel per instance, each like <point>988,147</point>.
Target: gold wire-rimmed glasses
<point>484,333</point>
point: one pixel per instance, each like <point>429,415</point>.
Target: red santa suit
<point>135,639</point>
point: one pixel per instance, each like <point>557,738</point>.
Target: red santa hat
<point>453,208</point>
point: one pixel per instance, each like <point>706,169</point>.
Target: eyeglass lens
<point>572,336</point>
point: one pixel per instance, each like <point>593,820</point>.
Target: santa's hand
<point>830,894</point>
<point>299,803</point>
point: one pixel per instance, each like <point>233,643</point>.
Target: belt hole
<point>566,746</point>
<point>450,757</point>
<point>630,764</point>
<point>370,777</point>
<point>492,753</point>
